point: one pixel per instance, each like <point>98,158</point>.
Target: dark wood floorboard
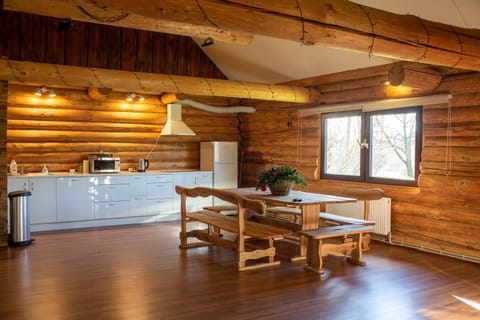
<point>140,273</point>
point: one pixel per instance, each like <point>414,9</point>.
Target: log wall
<point>60,132</point>
<point>443,213</point>
<point>3,162</point>
<point>63,131</point>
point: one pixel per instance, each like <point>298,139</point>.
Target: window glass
<point>393,146</point>
<point>341,144</point>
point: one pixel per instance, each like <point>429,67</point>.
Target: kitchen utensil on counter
<point>142,165</point>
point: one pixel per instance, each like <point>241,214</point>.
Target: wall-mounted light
<point>44,91</point>
<point>135,97</point>
<point>208,42</point>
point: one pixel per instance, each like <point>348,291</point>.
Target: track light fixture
<point>135,97</point>
<point>45,91</point>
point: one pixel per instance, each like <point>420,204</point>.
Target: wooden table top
<point>307,198</point>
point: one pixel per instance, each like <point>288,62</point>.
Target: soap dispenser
<point>45,169</point>
<point>13,167</point>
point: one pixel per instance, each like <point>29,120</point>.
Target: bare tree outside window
<point>393,146</point>
<point>343,151</point>
<point>378,147</point>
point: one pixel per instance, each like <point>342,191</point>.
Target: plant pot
<point>281,188</point>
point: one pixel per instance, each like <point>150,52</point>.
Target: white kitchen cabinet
<point>42,205</point>
<point>112,209</point>
<point>112,192</point>
<point>138,195</point>
<point>17,183</point>
<point>159,191</point>
<point>191,180</point>
<point>75,198</point>
<point>112,197</point>
<point>78,201</point>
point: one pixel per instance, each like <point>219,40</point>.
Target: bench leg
<point>314,256</point>
<point>356,256</point>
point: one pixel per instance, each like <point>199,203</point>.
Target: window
<point>377,147</point>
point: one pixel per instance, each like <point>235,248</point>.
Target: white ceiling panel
<point>270,60</point>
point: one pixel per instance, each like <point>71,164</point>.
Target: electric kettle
<point>142,165</point>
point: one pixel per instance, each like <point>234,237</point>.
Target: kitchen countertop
<point>68,174</point>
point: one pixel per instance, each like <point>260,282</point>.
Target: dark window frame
<point>365,154</point>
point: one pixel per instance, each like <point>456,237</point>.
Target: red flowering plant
<point>277,174</point>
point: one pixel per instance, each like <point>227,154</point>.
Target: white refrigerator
<point>221,157</point>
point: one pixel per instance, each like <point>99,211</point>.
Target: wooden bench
<point>365,195</point>
<point>226,210</point>
<point>329,219</point>
<point>252,240</point>
<point>317,249</point>
<point>288,212</point>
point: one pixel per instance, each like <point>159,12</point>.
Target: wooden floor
<point>140,273</point>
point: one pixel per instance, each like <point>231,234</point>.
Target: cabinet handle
<point>31,185</point>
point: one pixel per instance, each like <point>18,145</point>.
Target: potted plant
<point>279,179</point>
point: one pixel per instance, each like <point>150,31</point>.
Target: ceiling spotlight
<point>44,90</point>
<point>133,96</point>
<point>38,92</point>
<point>208,42</point>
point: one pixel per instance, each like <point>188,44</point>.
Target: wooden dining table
<point>310,204</point>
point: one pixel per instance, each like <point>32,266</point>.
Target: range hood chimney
<point>174,125</point>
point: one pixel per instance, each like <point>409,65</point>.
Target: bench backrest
<point>234,198</point>
<point>360,194</point>
<point>243,204</point>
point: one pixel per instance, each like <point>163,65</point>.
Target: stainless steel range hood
<point>174,125</point>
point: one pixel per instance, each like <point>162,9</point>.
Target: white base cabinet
<point>191,180</point>
<point>112,197</point>
<point>138,195</point>
<point>75,198</point>
<point>42,204</point>
<point>160,194</point>
<point>79,201</point>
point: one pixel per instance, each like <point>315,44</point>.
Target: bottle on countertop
<point>13,167</point>
<point>44,169</point>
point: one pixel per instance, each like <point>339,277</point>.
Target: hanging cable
<point>448,148</point>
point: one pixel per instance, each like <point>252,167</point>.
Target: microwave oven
<point>103,163</point>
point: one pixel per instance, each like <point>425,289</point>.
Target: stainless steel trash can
<point>19,229</point>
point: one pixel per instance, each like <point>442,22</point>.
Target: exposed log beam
<point>461,83</point>
<point>334,23</point>
<point>88,12</point>
<point>149,83</point>
<point>98,93</point>
<point>417,78</point>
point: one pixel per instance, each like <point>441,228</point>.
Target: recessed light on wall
<point>135,97</point>
<point>44,91</point>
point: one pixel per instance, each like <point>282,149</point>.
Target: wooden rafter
<point>149,83</point>
<point>88,12</point>
<point>334,23</point>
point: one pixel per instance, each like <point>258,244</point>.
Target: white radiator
<point>380,212</point>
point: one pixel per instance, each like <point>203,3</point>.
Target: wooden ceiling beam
<point>149,83</point>
<point>333,23</point>
<point>88,12</point>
